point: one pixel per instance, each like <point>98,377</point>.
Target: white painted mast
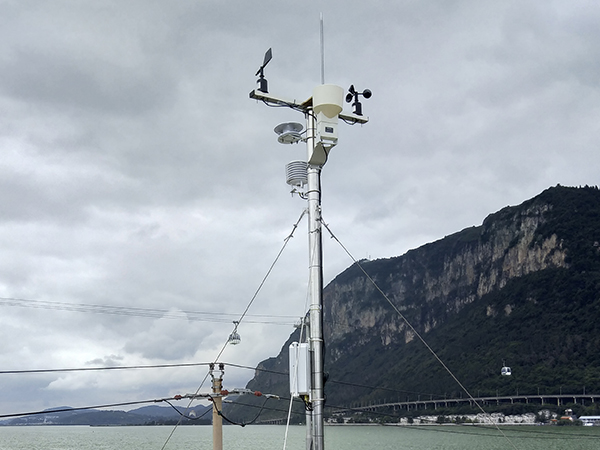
<point>322,112</point>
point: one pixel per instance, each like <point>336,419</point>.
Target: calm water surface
<point>272,437</point>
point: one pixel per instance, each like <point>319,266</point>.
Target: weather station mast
<point>322,112</point>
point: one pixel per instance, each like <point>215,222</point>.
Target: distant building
<point>568,416</point>
<point>589,421</point>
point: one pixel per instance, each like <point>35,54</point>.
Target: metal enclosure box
<point>327,129</point>
<point>299,369</point>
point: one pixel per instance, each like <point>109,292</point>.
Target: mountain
<point>147,415</point>
<point>523,289</point>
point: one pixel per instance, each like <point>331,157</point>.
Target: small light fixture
<point>234,337</point>
<point>289,132</point>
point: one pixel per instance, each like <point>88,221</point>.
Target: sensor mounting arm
<point>271,100</point>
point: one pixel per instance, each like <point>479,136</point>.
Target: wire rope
<point>90,369</point>
<point>413,329</point>
<point>196,316</point>
<point>243,315</point>
<point>81,408</point>
<point>291,403</point>
<point>402,391</point>
<point>197,364</point>
<point>243,424</point>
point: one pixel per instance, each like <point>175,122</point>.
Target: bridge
<point>433,404</point>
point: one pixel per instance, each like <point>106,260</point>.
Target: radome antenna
<point>262,82</point>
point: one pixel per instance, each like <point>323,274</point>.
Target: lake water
<point>440,437</point>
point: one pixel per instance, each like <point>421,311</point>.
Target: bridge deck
<point>561,399</point>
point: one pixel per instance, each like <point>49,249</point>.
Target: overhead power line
<point>198,316</point>
<point>167,366</point>
<point>112,405</point>
<point>90,369</point>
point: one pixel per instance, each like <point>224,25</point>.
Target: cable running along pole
<point>322,112</point>
<point>315,288</point>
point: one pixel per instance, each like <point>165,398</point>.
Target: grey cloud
<point>136,172</point>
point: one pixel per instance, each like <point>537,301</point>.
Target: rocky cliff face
<point>433,282</point>
<point>524,285</point>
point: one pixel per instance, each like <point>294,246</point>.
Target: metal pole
<point>322,52</point>
<point>308,412</point>
<point>217,419</point>
<point>315,287</point>
<point>309,430</point>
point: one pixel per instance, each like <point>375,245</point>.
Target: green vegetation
<point>544,325</point>
<point>550,336</point>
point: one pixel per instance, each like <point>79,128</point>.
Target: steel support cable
<point>185,416</point>
<point>90,369</point>
<point>306,307</point>
<point>265,408</point>
<point>243,424</point>
<point>81,408</point>
<point>295,108</point>
<point>413,329</point>
<point>277,372</point>
<point>262,283</point>
<point>241,318</point>
<point>196,316</point>
<point>291,403</point>
<point>187,407</point>
<point>153,366</point>
<point>162,366</point>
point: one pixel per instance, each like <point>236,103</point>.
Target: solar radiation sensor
<point>262,82</point>
<point>289,132</point>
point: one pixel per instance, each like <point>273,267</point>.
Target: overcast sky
<point>135,172</point>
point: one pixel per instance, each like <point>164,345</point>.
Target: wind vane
<point>262,82</point>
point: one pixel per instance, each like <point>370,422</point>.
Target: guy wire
<point>413,329</point>
<point>241,318</point>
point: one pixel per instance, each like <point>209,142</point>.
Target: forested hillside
<point>522,289</point>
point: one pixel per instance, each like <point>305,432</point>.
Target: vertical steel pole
<point>309,431</point>
<point>315,287</point>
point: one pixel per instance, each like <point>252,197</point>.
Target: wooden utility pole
<point>217,399</point>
